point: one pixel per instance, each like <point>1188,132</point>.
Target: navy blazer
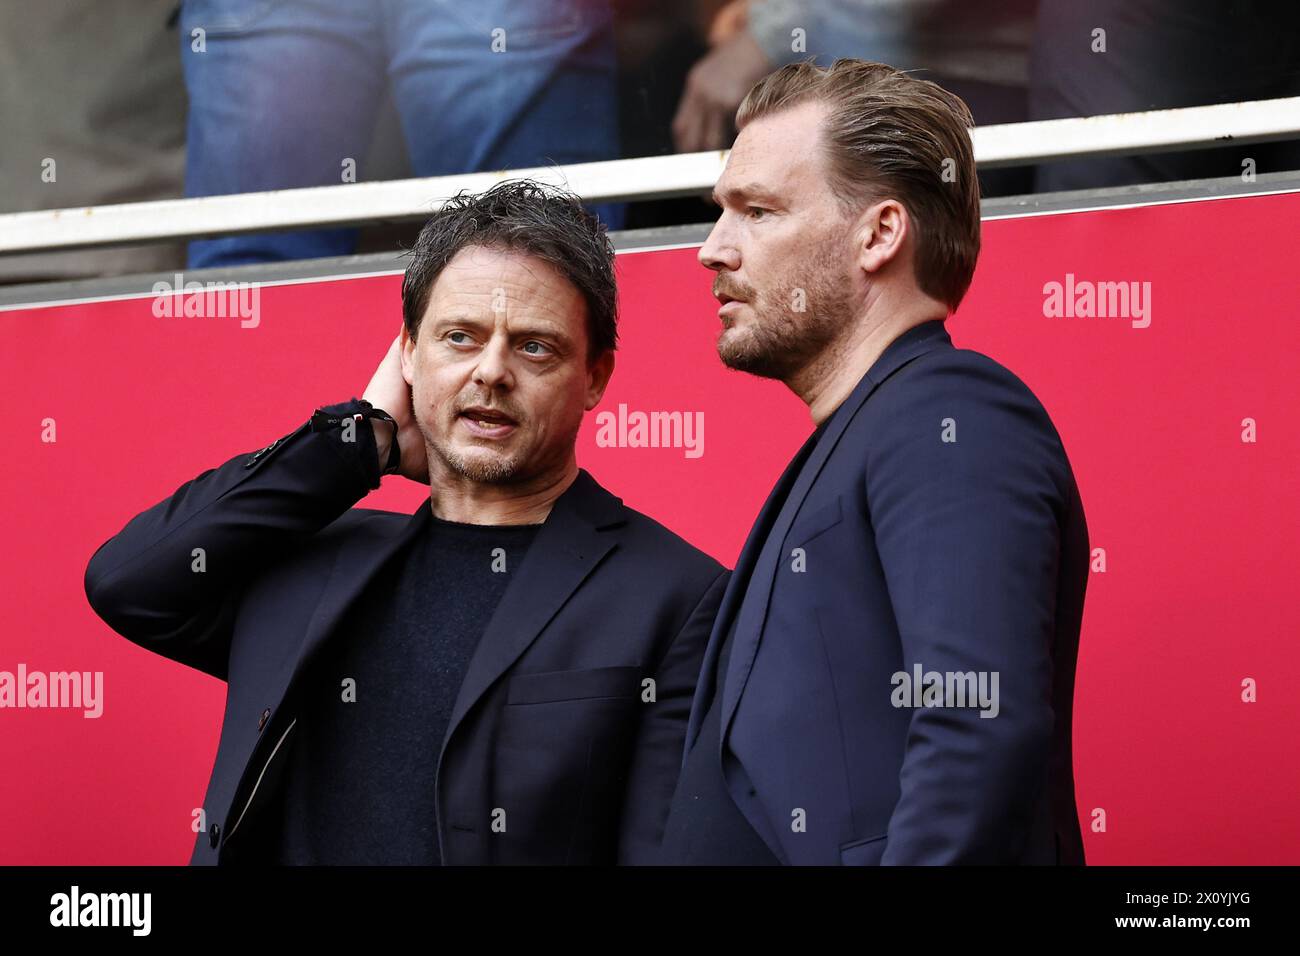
<point>553,723</point>
<point>935,526</point>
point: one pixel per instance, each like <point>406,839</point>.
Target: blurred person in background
<point>93,112</point>
<point>1108,56</point>
<point>286,94</point>
<point>978,49</point>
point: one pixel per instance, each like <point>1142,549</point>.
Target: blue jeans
<point>287,91</point>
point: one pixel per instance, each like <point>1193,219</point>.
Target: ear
<point>598,375</point>
<point>408,356</point>
<point>882,233</point>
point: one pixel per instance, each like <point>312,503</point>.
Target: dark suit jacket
<point>958,556</point>
<point>550,723</point>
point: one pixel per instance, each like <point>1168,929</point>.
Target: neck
<point>825,382</point>
<point>456,498</point>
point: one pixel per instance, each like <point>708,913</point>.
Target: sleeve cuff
<point>362,453</point>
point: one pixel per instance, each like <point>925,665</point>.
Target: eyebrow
<point>459,317</point>
<point>737,194</point>
<point>521,330</point>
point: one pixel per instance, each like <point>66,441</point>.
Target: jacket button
<point>214,835</point>
<point>261,721</point>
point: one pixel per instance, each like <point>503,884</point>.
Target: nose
<point>492,370</point>
<point>719,250</point>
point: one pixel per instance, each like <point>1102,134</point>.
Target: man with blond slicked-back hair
<point>890,677</point>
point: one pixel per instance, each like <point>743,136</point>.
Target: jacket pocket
<point>863,852</point>
<point>574,685</point>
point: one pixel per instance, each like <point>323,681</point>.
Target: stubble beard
<point>780,341</point>
<point>489,468</point>
<point>484,469</point>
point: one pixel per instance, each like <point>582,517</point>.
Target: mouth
<point>486,422</point>
<point>727,305</point>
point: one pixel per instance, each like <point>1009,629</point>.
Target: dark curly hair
<point>528,217</point>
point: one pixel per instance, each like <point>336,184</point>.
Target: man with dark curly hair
<point>468,683</point>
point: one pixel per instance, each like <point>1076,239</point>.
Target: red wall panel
<point>1199,527</point>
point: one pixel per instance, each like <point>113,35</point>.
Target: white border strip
<point>1223,124</point>
<point>340,277</point>
<point>1135,203</point>
<point>648,177</point>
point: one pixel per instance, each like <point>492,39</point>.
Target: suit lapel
<point>735,592</point>
<point>568,546</point>
<point>757,595</point>
<point>355,565</point>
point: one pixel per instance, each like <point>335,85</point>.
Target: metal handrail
<point>650,177</point>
